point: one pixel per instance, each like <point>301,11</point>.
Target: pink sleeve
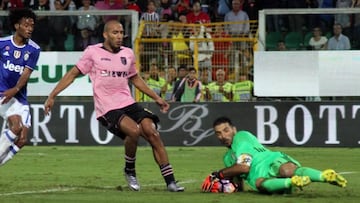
<point>85,62</point>
<point>133,71</point>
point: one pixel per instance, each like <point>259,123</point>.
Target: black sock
<point>168,173</point>
<point>130,165</point>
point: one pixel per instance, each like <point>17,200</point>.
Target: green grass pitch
<point>94,174</point>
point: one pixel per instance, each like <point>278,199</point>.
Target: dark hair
<point>182,66</point>
<point>192,69</point>
<point>222,120</point>
<point>16,14</point>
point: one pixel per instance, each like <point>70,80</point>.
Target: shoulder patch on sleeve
<point>244,159</point>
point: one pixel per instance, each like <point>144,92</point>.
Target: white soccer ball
<point>227,186</point>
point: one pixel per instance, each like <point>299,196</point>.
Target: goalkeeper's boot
<point>300,181</point>
<point>132,181</point>
<point>173,187</point>
<point>333,178</point>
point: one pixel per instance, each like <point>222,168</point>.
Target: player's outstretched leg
<point>275,185</point>
<point>330,176</point>
<point>160,155</point>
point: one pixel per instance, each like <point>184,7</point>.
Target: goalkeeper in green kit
<point>264,170</point>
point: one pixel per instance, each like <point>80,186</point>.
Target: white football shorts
<point>14,107</point>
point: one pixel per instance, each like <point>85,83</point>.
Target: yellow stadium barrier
<point>206,47</point>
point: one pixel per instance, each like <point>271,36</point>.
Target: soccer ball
<point>226,186</point>
<point>218,186</point>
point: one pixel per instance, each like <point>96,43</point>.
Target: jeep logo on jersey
<point>13,67</point>
<point>123,60</point>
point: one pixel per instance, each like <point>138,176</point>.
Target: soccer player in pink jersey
<point>110,66</point>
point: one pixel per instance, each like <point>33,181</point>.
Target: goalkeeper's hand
<point>208,183</point>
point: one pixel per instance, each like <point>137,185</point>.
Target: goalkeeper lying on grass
<point>264,170</point>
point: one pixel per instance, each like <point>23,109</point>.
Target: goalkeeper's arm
<point>231,172</point>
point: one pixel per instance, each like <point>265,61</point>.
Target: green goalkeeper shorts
<point>276,164</point>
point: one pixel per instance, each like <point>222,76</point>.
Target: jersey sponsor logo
<point>105,59</point>
<point>12,67</point>
<point>107,73</point>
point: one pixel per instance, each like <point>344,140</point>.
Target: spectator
<point>86,27</point>
<point>179,46</point>
<point>168,89</point>
<point>165,9</point>
<point>252,7</point>
<point>65,4</point>
<point>155,82</point>
<point>246,61</point>
<point>182,73</point>
<point>41,33</point>
<point>327,20</point>
<point>108,5</point>
<point>243,89</point>
<point>4,21</point>
<point>219,90</point>
<point>344,19</point>
<point>205,47</point>
<point>9,4</point>
<point>356,29</point>
<point>189,89</point>
<point>182,7</point>
<point>151,16</point>
<point>224,6</point>
<point>338,41</point>
<point>239,27</point>
<point>237,15</point>
<point>313,20</point>
<point>197,15</point>
<point>272,21</point>
<point>220,58</point>
<point>204,79</point>
<point>317,41</point>
<point>59,27</point>
<point>281,46</point>
<point>296,21</point>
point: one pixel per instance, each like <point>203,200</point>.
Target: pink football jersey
<point>109,74</point>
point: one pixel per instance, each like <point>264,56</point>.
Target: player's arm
<point>24,78</point>
<point>68,78</point>
<point>143,87</point>
<point>242,166</point>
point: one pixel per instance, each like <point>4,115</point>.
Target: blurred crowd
<point>52,31</point>
<point>317,32</point>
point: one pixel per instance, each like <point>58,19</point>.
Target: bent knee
<point>16,129</point>
<point>21,142</point>
<point>258,184</point>
<point>287,170</point>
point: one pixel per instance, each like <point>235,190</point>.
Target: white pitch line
<point>348,172</point>
<point>66,189</point>
<point>39,191</point>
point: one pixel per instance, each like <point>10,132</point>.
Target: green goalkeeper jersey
<point>264,163</point>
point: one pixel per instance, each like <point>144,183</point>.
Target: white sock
<point>13,149</point>
<point>6,140</point>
